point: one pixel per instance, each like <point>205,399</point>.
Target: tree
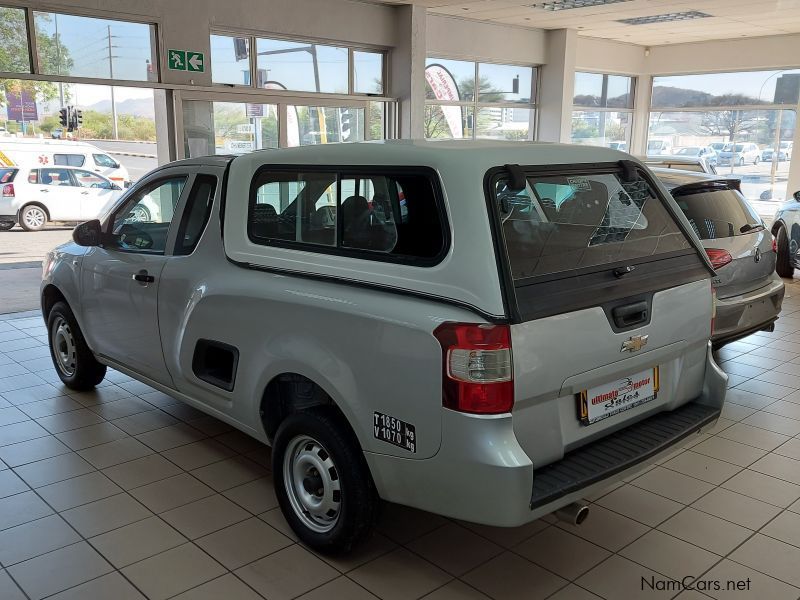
<point>53,57</point>
<point>435,124</point>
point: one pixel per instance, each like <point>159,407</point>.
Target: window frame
<point>476,106</point>
<point>577,108</point>
<point>252,62</point>
<point>349,172</point>
<point>178,249</point>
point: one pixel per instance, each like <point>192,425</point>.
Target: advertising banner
<point>21,106</point>
<point>445,88</point>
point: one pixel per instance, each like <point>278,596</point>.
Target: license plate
<point>612,398</point>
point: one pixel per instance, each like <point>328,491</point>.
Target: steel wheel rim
<point>64,349</point>
<point>139,214</point>
<point>312,484</point>
<point>34,217</point>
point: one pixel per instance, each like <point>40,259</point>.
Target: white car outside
<point>34,196</point>
<point>62,153</point>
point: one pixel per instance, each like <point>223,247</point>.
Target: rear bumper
<point>482,474</point>
<point>739,316</point>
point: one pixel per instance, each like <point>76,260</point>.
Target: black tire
<point>741,161</point>
<point>6,225</point>
<point>783,265</point>
<point>33,218</point>
<point>74,362</point>
<point>358,504</point>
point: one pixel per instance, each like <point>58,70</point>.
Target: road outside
<point>21,254</point>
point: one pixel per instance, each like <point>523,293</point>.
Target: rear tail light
<point>713,307</point>
<point>477,373</point>
<point>8,190</point>
<point>774,244</point>
<point>719,258</point>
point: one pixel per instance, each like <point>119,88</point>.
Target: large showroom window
<point>14,55</point>
<point>295,65</point>
<point>469,100</point>
<point>740,123</point>
<point>603,110</point>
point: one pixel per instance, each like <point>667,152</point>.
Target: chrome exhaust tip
<point>574,513</point>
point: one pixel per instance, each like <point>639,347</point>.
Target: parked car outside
<point>475,331</point>
<point>657,147</point>
<point>717,146</point>
<point>786,229</point>
<point>739,245</point>
<point>784,152</point>
<point>739,154</point>
<point>705,152</point>
<point>621,146</point>
<point>684,163</point>
<point>57,134</point>
<point>32,197</point>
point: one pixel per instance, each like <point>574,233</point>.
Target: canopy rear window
<point>575,221</point>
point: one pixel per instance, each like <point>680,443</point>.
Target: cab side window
<point>88,179</point>
<point>104,160</point>
<point>196,213</point>
<point>54,177</point>
<point>69,160</point>
<point>142,223</point>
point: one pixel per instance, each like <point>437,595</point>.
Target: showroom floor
<point>125,493</point>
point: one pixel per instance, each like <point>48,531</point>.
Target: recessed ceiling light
<point>665,18</point>
<point>570,4</point>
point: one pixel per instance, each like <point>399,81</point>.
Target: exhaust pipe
<point>769,328</point>
<point>574,513</point>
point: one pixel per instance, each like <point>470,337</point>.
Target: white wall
<point>772,52</point>
<point>606,56</point>
<point>451,37</point>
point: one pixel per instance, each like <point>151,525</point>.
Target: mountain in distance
<point>140,107</point>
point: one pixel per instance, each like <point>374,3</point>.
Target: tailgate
<point>610,298</point>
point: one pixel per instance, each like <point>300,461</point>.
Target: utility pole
<point>111,76</point>
<point>58,62</point>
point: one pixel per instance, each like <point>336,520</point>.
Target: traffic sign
<point>195,61</point>
<point>245,128</point>
<point>176,60</point>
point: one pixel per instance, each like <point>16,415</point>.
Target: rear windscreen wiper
<point>747,227</point>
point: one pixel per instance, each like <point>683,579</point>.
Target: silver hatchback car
<point>487,331</point>
<point>741,248</point>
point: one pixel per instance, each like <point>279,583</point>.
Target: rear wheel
<point>783,266</point>
<point>6,225</point>
<point>322,481</point>
<point>75,364</point>
<point>33,218</point>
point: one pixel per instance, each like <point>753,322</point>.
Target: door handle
<point>84,193</point>
<point>143,277</point>
<point>45,191</point>
<point>631,314</point>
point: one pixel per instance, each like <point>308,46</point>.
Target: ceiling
<point>729,18</point>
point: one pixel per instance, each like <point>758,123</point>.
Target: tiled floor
<point>124,493</point>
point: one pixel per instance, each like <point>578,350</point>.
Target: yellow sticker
<point>4,160</point>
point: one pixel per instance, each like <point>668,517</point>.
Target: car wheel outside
<point>74,362</point>
<point>33,218</point>
<point>741,161</point>
<point>322,481</point>
<point>783,265</point>
<point>140,214</point>
<point>6,225</point>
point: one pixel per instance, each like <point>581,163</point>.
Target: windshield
<point>719,213</point>
<point>565,222</point>
<point>655,145</point>
<point>731,148</point>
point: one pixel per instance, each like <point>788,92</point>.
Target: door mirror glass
<point>797,196</point>
<point>88,234</point>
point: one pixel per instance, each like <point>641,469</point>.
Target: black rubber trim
<point>718,342</point>
<point>619,451</point>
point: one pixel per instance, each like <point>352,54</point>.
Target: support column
<point>557,86</point>
<point>793,184</point>
<point>641,115</point>
<point>407,69</point>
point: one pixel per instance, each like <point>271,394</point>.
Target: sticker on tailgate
<point>603,401</point>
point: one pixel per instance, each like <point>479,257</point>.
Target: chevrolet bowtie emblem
<point>634,344</point>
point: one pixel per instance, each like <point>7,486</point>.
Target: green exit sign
<point>186,60</point>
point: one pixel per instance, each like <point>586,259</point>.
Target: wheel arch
<point>776,226</point>
<point>50,296</point>
<point>290,392</point>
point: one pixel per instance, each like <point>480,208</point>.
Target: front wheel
<point>783,265</point>
<point>75,364</point>
<point>322,481</point>
<point>33,218</point>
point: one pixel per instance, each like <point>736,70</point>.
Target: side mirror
<point>114,186</point>
<point>797,196</point>
<point>88,234</point>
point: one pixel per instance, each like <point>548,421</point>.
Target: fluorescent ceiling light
<point>666,18</point>
<point>570,4</point>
